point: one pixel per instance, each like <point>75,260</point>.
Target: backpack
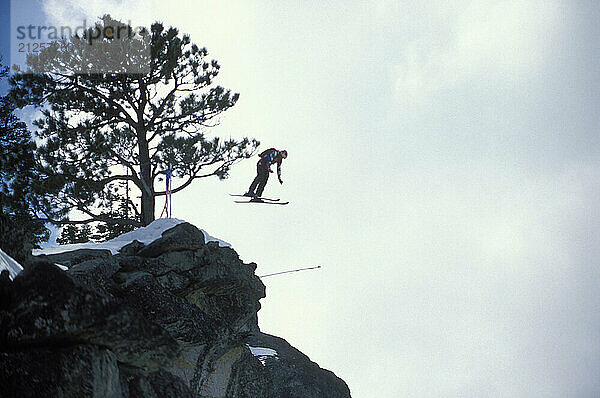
<point>262,155</point>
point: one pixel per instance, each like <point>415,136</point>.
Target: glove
<point>280,181</point>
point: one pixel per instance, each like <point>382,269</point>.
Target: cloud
<point>485,39</point>
<point>73,12</point>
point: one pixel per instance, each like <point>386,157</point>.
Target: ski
<point>261,201</point>
<point>261,198</point>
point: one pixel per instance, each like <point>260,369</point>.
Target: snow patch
<point>8,263</point>
<point>146,235</point>
<point>262,353</point>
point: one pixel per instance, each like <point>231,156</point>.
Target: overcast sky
<point>443,169</point>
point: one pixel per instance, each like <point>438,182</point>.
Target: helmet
<point>283,154</point>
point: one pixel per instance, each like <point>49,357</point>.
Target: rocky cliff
<point>174,318</point>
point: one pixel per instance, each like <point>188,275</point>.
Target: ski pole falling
<point>287,272</point>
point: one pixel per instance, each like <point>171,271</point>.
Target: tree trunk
<point>145,166</point>
<point>147,183</point>
<point>147,208</point>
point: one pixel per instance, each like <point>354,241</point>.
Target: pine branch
<point>127,119</point>
<point>108,220</point>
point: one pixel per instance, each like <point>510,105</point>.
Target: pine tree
<point>20,231</point>
<point>71,233</point>
<point>103,128</point>
<point>119,208</point>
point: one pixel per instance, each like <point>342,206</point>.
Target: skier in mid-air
<point>263,168</point>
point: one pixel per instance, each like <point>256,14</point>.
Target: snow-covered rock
<point>7,263</point>
<point>174,314</point>
<point>262,353</point>
<point>146,235</point>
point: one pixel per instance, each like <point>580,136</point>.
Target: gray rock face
<point>59,372</point>
<point>69,259</point>
<point>174,318</point>
<point>181,237</point>
<point>51,309</point>
<point>294,375</point>
<point>132,248</point>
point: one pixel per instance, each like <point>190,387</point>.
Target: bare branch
<point>189,181</point>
